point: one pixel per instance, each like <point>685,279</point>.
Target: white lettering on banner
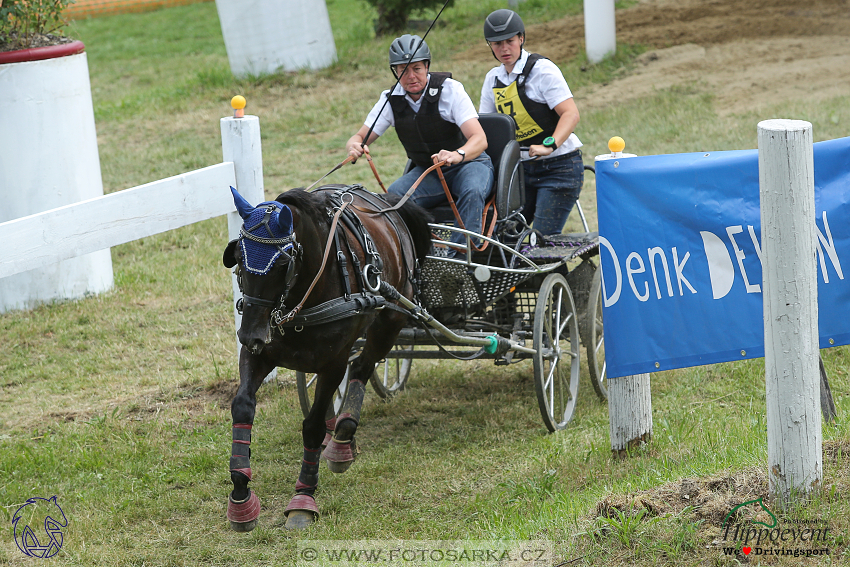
<point>829,244</point>
<point>739,254</point>
<point>680,277</point>
<point>653,252</point>
<point>755,240</point>
<point>609,301</point>
<point>720,268</point>
<point>640,269</point>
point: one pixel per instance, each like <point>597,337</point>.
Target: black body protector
<point>535,121</point>
<point>425,133</point>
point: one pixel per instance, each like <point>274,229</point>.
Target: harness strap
<point>375,171</point>
<point>487,205</point>
<point>341,308</point>
<point>343,263</point>
<point>337,166</point>
<point>281,320</point>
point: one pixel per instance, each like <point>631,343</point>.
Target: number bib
<point>535,121</point>
<point>508,102</point>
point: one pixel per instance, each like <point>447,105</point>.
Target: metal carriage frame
<point>525,296</point>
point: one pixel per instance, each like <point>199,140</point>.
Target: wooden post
<point>788,239</point>
<point>629,412</point>
<point>600,29</point>
<point>629,397</point>
<point>240,144</point>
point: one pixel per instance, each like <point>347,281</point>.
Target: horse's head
<point>265,256</point>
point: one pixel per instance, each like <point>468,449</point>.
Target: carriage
<point>517,295</point>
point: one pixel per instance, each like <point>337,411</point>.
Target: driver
<point>533,91</point>
<point>435,120</point>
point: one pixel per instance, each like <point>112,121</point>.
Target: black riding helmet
<point>408,49</point>
<point>503,24</point>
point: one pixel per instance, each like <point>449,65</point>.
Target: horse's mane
<point>315,205</point>
<point>312,204</point>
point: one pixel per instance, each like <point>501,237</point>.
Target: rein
<point>276,316</point>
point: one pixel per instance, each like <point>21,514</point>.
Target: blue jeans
<point>470,183</point>
<point>552,187</point>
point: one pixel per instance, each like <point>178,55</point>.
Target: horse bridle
<point>291,258</point>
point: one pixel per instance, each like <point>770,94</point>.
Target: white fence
<point>96,224</point>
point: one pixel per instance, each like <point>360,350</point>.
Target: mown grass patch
<point>119,404</point>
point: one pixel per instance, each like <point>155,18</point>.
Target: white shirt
<point>545,84</point>
<point>455,106</point>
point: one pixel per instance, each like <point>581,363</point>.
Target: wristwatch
<point>550,142</point>
<point>462,154</point>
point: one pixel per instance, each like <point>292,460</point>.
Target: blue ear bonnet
<point>267,233</point>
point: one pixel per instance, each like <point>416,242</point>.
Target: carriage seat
<point>508,181</point>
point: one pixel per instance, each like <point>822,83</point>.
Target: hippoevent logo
<point>38,527</point>
<point>753,537</point>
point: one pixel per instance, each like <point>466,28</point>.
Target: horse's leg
<point>302,510</point>
<point>243,507</point>
<point>380,337</point>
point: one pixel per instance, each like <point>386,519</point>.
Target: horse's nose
<point>253,343</point>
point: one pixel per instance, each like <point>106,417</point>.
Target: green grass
<point>119,404</point>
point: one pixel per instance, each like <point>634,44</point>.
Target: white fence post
<point>629,397</point>
<point>240,144</point>
<point>600,29</point>
<point>629,412</point>
<point>786,183</point>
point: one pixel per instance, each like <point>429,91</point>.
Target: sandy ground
<point>750,53</point>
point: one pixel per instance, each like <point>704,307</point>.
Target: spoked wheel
<point>556,360</point>
<point>390,376</point>
<point>595,341</point>
<point>307,392</point>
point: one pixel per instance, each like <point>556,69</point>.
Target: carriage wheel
<point>556,360</point>
<point>595,341</point>
<point>307,391</point>
<point>390,376</point>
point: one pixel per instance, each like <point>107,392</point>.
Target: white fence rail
<point>92,225</point>
<point>96,224</point>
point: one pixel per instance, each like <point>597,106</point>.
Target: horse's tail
<point>416,218</point>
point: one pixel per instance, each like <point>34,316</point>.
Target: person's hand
<point>539,150</point>
<point>356,151</point>
<point>450,157</point>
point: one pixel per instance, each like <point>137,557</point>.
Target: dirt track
<point>750,53</point>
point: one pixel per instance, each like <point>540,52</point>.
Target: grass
<point>119,404</point>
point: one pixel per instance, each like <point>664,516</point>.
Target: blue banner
<point>680,249</point>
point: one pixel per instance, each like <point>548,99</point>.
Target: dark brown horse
<point>279,256</point>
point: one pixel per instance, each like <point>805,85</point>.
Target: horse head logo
<point>734,511</point>
<point>35,513</point>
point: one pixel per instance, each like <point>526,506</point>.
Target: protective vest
<point>535,121</point>
<point>425,133</point>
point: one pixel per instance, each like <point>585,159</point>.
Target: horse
<point>335,251</point>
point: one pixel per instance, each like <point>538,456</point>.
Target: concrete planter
<point>267,36</point>
<point>48,159</point>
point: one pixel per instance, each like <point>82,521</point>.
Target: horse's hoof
<point>300,512</point>
<point>299,519</point>
<point>340,455</point>
<point>243,514</point>
<point>243,526</point>
<point>339,468</point>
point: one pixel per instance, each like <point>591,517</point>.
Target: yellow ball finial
<point>238,103</point>
<point>616,144</point>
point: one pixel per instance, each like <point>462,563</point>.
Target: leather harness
<point>344,222</point>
